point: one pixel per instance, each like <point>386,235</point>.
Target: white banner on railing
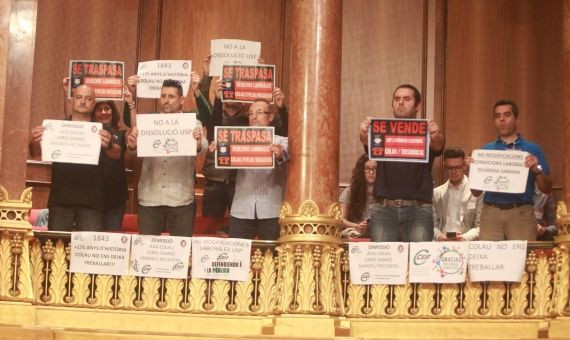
<point>438,262</point>
<point>497,261</point>
<point>160,256</point>
<point>378,263</point>
<point>100,253</point>
<point>221,258</point>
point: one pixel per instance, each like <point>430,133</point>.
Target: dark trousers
<point>217,198</point>
<point>74,217</point>
<point>178,220</point>
<point>265,228</point>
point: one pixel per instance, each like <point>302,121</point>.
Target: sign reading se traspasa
<point>399,140</point>
<point>244,147</point>
<point>105,77</point>
<point>243,83</point>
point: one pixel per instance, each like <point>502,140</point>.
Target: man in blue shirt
<point>510,216</point>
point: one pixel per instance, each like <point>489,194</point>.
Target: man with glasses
<point>456,212</point>
<point>166,185</point>
<point>510,216</point>
<point>259,192</point>
<point>403,191</point>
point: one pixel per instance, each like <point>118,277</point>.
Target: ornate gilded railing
<point>284,278</point>
<point>543,291</point>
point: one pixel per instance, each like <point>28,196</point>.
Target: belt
<point>400,203</point>
<point>506,206</point>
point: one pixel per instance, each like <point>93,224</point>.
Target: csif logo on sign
<point>421,257</point>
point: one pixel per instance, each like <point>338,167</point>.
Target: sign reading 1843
<point>244,147</point>
<point>399,140</point>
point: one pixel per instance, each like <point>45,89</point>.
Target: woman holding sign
<point>356,199</point>
<point>115,192</point>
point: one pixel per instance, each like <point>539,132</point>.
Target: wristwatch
<point>539,172</point>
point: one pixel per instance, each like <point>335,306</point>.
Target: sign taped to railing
<point>221,258</point>
<point>497,261</point>
<point>438,262</point>
<point>100,253</point>
<point>378,263</point>
<point>160,256</point>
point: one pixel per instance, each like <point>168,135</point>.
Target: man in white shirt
<point>456,212</point>
<point>166,185</point>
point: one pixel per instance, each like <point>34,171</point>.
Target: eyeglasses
<point>370,170</point>
<point>454,168</point>
<point>256,113</point>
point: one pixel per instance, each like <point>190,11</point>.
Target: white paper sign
<point>497,261</point>
<point>221,258</point>
<point>166,134</point>
<point>100,253</point>
<point>234,52</point>
<point>378,262</point>
<point>153,73</point>
<point>438,262</point>
<point>498,171</point>
<point>66,141</point>
<point>160,256</point>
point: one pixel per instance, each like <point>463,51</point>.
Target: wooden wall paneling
<point>16,107</point>
<point>5,12</point>
<point>435,72</point>
<point>505,49</point>
<point>188,27</point>
<point>68,29</point>
<point>382,47</point>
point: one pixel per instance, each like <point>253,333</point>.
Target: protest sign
<point>105,77</point>
<point>221,258</point>
<point>160,256</point>
<point>498,171</point>
<point>99,253</point>
<point>153,73</point>
<point>399,140</point>
<point>65,141</point>
<point>242,83</point>
<point>438,262</point>
<point>233,52</point>
<point>244,147</point>
<point>166,135</point>
<point>497,261</point>
<point>378,263</point>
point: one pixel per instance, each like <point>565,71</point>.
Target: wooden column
<point>316,39</point>
<point>17,43</point>
<point>566,50</point>
<point>311,219</point>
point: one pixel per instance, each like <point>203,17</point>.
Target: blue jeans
<point>403,224</point>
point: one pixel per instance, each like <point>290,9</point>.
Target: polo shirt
<point>520,144</point>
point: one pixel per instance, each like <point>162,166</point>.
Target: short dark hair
<point>417,94</point>
<point>173,83</point>
<point>510,102</point>
<point>453,152</point>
